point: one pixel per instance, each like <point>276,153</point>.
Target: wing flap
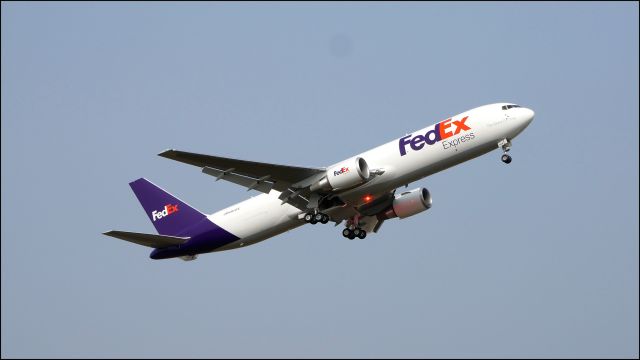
<point>262,184</point>
<point>150,240</point>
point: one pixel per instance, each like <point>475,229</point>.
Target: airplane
<point>361,191</point>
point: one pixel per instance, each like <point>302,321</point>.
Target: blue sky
<point>537,258</point>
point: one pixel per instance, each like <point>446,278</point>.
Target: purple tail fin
<point>169,215</point>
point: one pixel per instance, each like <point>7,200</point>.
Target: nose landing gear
<point>505,144</point>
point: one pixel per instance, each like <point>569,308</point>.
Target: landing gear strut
<point>505,144</point>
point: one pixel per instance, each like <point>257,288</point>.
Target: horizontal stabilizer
<point>150,240</point>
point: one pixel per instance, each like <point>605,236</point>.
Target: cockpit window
<point>507,107</point>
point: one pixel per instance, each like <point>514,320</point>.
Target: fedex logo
<point>168,210</point>
<point>341,171</point>
<point>440,131</point>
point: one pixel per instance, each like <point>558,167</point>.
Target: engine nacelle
<point>409,203</point>
<point>345,175</point>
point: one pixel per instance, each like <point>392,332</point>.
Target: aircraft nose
<point>527,115</point>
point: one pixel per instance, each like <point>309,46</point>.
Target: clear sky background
<point>537,258</point>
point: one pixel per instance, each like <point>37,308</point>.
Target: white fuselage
<point>403,160</point>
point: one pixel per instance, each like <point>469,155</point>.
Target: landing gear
<point>353,232</point>
<point>348,233</point>
<point>318,217</point>
<point>325,218</point>
<point>505,144</point>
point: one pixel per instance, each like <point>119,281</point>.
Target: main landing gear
<point>317,217</point>
<point>353,232</point>
<point>505,144</point>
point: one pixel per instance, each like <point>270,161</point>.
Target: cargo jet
<point>361,191</point>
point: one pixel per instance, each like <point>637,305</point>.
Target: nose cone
<point>522,117</point>
<point>527,116</point>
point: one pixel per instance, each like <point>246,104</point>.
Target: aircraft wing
<point>252,174</point>
<point>262,176</point>
<point>150,240</point>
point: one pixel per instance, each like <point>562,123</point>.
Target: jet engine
<point>347,174</point>
<point>409,203</point>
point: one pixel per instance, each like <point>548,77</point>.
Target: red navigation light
<point>367,198</point>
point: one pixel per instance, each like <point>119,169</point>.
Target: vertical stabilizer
<point>169,215</point>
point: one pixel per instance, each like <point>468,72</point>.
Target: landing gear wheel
<point>362,235</point>
<point>357,232</point>
<point>313,221</point>
<point>506,158</point>
<point>318,217</point>
<point>325,218</point>
<point>308,217</point>
<point>348,233</point>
